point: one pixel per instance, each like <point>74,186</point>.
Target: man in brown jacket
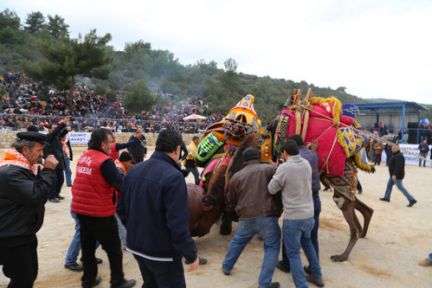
<point>258,213</point>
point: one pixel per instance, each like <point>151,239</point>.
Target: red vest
<point>114,153</point>
<point>91,193</point>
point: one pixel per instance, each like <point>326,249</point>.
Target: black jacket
<point>22,200</point>
<point>54,146</point>
<point>397,166</point>
<point>138,150</point>
<point>154,206</point>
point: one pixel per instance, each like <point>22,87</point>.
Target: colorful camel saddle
<point>335,132</point>
<point>240,121</point>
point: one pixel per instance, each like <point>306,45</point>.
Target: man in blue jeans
<point>294,179</point>
<point>397,174</point>
<point>311,156</point>
<point>258,213</point>
<point>74,249</point>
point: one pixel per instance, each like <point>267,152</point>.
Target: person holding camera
<point>24,191</point>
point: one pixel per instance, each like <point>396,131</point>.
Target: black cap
<point>32,136</point>
<point>124,157</point>
<point>251,154</point>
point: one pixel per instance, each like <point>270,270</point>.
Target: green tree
<point>57,27</point>
<point>138,97</point>
<point>9,19</point>
<point>65,58</point>
<point>35,22</point>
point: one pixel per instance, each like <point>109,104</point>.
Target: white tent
<point>193,117</point>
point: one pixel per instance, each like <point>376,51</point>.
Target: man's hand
<point>50,162</point>
<point>394,177</point>
<point>274,164</point>
<point>65,120</point>
<point>193,266</point>
<point>314,145</point>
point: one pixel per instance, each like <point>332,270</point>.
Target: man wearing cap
<point>258,213</point>
<point>23,194</point>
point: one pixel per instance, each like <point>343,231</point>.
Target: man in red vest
<point>94,202</point>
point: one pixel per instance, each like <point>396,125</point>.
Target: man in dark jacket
<point>258,213</point>
<point>55,147</point>
<point>424,150</point>
<point>312,158</point>
<point>397,174</point>
<point>23,194</point>
<point>138,151</point>
<point>154,207</point>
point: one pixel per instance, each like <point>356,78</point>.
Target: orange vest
<point>91,193</point>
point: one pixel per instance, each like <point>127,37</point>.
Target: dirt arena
<point>398,238</point>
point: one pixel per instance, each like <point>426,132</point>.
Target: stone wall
<point>7,137</point>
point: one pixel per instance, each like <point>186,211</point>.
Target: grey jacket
<point>294,179</point>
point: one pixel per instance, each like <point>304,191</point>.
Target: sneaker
<point>384,199</point>
<point>274,285</point>
<point>317,281</point>
<point>283,267</point>
<point>412,203</point>
<point>425,263</point>
<point>60,197</point>
<point>54,200</point>
<point>74,267</point>
<point>202,261</point>
<point>124,284</point>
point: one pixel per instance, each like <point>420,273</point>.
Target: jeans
<point>268,229</point>
<point>161,274</point>
<point>75,245</point>
<point>314,232</point>
<point>401,188</point>
<point>68,172</point>
<point>430,257</point>
<point>422,159</point>
<point>296,233</point>
<point>195,173</point>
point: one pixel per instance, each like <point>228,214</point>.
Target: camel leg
<point>347,208</point>
<point>226,224</point>
<point>367,212</point>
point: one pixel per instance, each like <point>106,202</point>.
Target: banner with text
<point>79,137</point>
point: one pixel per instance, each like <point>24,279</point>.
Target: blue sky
<point>376,49</point>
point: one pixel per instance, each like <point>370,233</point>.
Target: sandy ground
<point>398,238</point>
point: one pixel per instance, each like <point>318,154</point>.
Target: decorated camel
<point>316,119</point>
<point>339,143</point>
<point>214,152</point>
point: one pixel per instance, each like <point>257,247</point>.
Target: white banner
<point>79,137</point>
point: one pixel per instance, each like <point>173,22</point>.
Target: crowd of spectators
<point>21,105</point>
